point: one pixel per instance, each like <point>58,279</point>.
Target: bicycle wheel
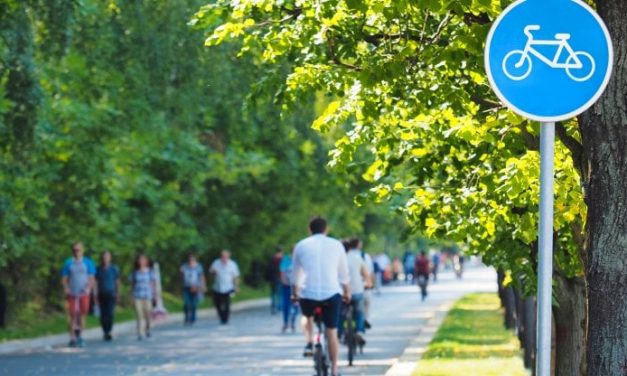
<point>351,341</point>
<point>585,71</point>
<point>511,67</point>
<point>319,362</point>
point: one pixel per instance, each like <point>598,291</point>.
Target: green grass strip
<point>472,341</point>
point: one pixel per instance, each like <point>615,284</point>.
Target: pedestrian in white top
<point>359,280</point>
<point>321,260</point>
<point>369,287</point>
<point>226,282</point>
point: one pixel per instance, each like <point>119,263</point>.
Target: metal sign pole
<point>545,252</point>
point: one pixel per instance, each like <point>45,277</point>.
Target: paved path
<point>252,345</point>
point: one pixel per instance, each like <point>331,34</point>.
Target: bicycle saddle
<point>562,36</point>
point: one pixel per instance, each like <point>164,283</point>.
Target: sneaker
<point>72,343</point>
<point>147,334</point>
<point>308,350</point>
<point>367,325</point>
<point>80,343</point>
<point>284,329</point>
<point>108,337</point>
<point>140,338</point>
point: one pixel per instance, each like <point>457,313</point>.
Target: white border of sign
<point>571,114</point>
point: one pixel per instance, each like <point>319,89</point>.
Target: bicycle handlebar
<point>530,28</point>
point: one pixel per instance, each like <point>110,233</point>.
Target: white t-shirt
<point>322,264</point>
<point>225,275</point>
<point>369,263</point>
<point>355,265</point>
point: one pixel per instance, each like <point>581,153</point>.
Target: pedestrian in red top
<point>422,273</point>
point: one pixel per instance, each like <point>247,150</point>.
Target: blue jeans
<point>190,302</point>
<point>275,296</point>
<point>290,309</point>
<point>357,301</point>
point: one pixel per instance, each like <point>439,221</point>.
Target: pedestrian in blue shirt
<point>144,291</point>
<point>290,308</point>
<point>78,282</point>
<point>193,286</point>
<point>108,283</point>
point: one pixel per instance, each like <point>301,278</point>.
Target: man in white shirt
<point>359,280</point>
<point>320,263</point>
<point>226,282</point>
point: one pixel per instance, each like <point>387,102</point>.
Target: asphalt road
<point>252,343</point>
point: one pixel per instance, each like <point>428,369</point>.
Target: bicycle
<point>349,333</point>
<point>321,348</point>
<point>523,64</point>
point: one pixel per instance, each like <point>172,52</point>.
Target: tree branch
<point>532,142</point>
<point>336,59</point>
<point>575,147</point>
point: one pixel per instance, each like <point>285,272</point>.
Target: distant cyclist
<point>322,262</point>
<point>78,281</point>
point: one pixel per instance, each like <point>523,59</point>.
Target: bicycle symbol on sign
<point>517,64</point>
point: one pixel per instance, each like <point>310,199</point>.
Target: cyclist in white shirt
<point>321,262</point>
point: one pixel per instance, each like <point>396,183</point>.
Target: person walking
<point>226,282</point>
<point>358,274</point>
<point>422,273</point>
<point>378,276</point>
<point>78,282</point>
<point>144,288</point>
<point>322,263</point>
<point>290,308</point>
<point>273,276</point>
<point>409,261</point>
<point>383,270</point>
<point>193,286</point>
<point>435,262</point>
<point>108,289</point>
<point>369,287</point>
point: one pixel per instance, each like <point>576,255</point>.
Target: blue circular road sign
<point>548,60</point>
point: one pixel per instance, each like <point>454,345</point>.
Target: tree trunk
<point>525,314</point>
<point>500,277</point>
<point>510,307</point>
<point>570,326</point>
<point>604,138</point>
<point>529,323</point>
<point>3,304</point>
<point>520,313</point>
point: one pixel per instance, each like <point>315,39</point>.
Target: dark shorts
<point>330,309</point>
